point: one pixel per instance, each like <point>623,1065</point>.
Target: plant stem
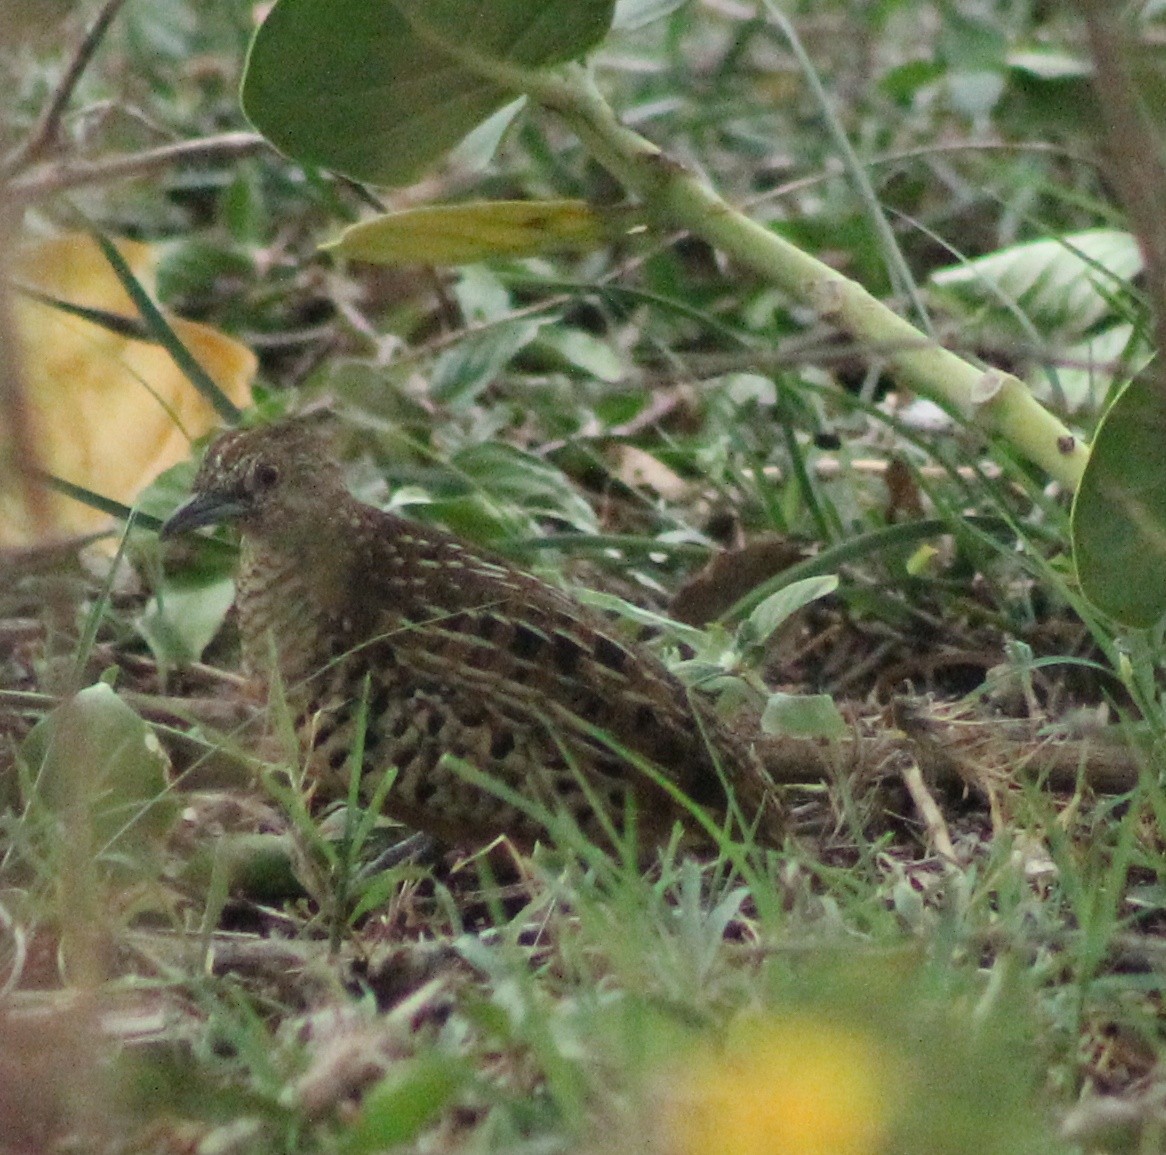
<point>998,402</point>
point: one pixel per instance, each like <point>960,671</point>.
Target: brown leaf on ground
<point>729,576</point>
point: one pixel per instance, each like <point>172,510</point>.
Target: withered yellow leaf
<point>461,234</point>
<point>108,412</point>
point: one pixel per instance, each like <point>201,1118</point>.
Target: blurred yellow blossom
<point>107,412</point>
<point>792,1085</point>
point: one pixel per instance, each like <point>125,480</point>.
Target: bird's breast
<point>282,618</point>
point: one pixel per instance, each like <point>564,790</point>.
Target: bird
<point>496,699</point>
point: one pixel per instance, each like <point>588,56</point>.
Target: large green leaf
<point>380,90</point>
<point>94,754</point>
<point>1119,516</point>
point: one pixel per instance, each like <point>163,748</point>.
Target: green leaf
<point>462,234</point>
<point>803,716</point>
<point>513,477</point>
<point>461,373</point>
<point>780,606</point>
<point>581,350</point>
<point>481,296</point>
<point>972,43</point>
<point>260,866</point>
<point>379,91</point>
<point>477,150</point>
<point>1050,63</point>
<point>1119,515</point>
<point>1083,383</point>
<point>94,753</point>
<point>701,672</point>
<point>633,14</point>
<point>184,615</point>
<point>410,1097</point>
<point>527,33</point>
<point>1066,285</point>
<point>975,92</point>
<point>613,604</point>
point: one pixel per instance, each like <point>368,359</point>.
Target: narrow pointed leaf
<point>462,234</point>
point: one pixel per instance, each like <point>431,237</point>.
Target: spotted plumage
<point>458,657</point>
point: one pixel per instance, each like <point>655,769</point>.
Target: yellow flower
<point>783,1086</point>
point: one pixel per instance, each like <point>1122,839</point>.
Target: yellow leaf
<point>108,412</point>
<point>462,234</point>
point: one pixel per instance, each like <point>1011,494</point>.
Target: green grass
<point>249,983</point>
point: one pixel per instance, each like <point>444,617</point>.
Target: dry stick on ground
<point>947,749</point>
<point>950,750</point>
<point>937,832</point>
<point>51,179</point>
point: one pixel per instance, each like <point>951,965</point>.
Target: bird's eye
<point>266,475</point>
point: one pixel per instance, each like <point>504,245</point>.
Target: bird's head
<point>267,481</point>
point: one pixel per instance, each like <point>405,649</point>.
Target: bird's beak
<point>202,509</point>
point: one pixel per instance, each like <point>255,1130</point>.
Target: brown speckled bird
<point>462,654</point>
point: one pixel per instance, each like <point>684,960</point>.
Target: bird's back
<point>467,656</point>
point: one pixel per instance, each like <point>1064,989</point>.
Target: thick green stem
<point>999,402</point>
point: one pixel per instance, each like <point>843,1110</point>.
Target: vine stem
<point>998,402</point>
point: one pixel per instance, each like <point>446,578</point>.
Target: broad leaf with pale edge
<point>1066,284</point>
<point>461,373</point>
<point>379,91</point>
<point>1090,367</point>
<point>513,476</point>
<point>1119,515</point>
<point>184,615</point>
<point>612,604</point>
<point>95,754</point>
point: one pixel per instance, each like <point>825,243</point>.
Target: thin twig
<point>52,179</point>
<point>43,135</point>
<point>954,751</point>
